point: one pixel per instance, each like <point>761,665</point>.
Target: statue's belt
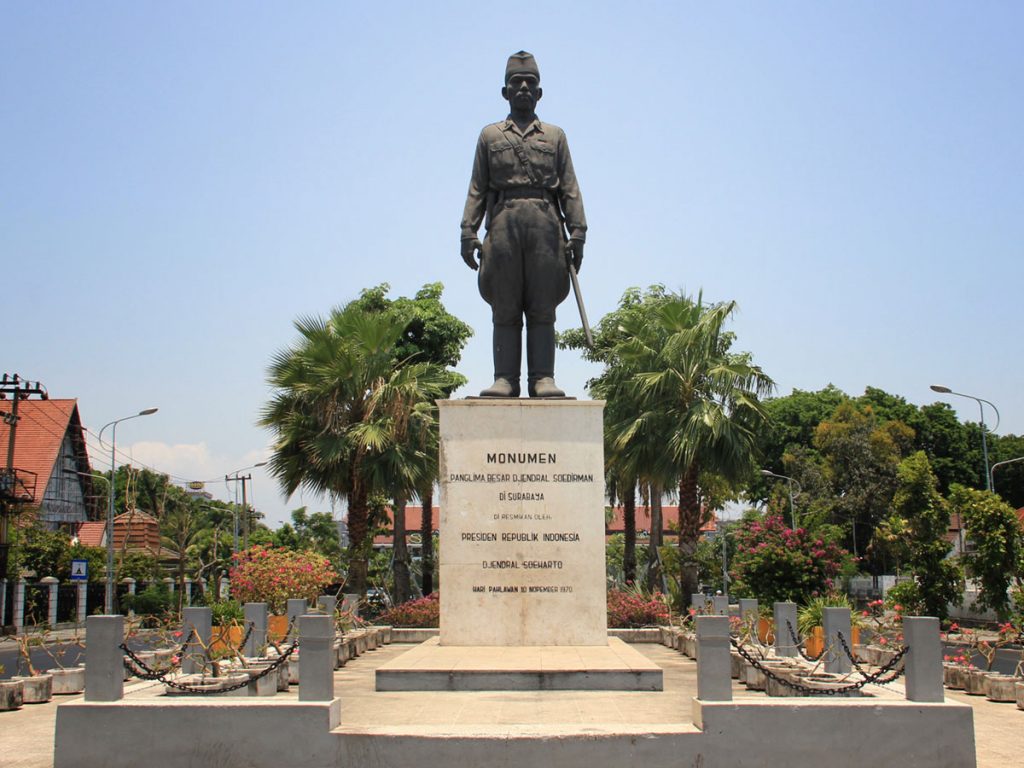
<point>525,193</point>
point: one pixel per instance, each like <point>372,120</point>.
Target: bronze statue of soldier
<point>524,186</point>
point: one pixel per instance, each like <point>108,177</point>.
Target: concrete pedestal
<point>522,523</point>
<point>433,667</point>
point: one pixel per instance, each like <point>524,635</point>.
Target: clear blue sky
<point>180,181</point>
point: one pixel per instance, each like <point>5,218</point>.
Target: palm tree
<point>431,335</point>
<point>695,406</point>
<point>341,412</point>
<point>636,458</point>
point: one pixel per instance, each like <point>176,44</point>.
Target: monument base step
<point>431,666</point>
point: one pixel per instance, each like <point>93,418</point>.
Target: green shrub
<point>812,613</point>
<point>226,611</point>
<point>905,598</point>
<point>154,600</point>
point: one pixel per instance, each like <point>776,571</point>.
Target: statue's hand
<point>574,251</point>
<point>469,248</point>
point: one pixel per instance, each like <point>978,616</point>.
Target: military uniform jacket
<point>496,167</point>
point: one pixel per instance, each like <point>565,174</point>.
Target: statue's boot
<point>540,361</point>
<point>508,357</point>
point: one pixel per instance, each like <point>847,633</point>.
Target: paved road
<point>69,654</point>
<point>1006,660</point>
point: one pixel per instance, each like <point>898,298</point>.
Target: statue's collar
<point>510,124</point>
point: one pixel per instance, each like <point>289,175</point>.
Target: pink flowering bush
<point>776,563</point>
<point>424,612</point>
<point>272,575</point>
<point>628,609</point>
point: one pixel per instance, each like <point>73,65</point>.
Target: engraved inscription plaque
<point>522,523</point>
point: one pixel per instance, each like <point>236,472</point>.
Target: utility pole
<point>245,515</point>
<point>234,478</point>
<point>244,512</point>
<point>10,483</point>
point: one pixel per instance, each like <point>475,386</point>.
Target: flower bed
<point>421,613</point>
<point>628,610</point>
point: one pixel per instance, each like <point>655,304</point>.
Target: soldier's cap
<point>521,63</point>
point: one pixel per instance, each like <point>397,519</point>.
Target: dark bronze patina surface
<point>524,190</point>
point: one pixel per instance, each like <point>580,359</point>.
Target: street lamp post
<point>992,471</point>
<point>792,507</point>
<point>236,477</point>
<point>725,564</point>
<point>108,600</point>
<point>984,441</point>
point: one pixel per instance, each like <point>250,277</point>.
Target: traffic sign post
<point>79,570</point>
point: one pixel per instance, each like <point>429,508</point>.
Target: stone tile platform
<point>434,667</point>
<point>498,729</point>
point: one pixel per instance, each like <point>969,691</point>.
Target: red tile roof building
<point>141,530</point>
<point>51,461</point>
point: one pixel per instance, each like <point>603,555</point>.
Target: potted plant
<point>228,625</point>
<point>37,686</point>
<point>766,632</point>
<point>810,622</point>
<point>11,692</point>
<point>67,680</point>
<point>977,681</point>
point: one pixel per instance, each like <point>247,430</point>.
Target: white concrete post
<point>104,659</point>
<point>129,582</point>
<point>748,610</point>
<point>225,588</point>
<point>294,608</point>
<point>256,614</point>
<point>328,604</point>
<point>83,601</point>
<point>200,620</point>
<point>51,599</point>
<point>785,617</point>
<point>714,680</point>
<point>169,583</point>
<point>720,605</point>
<point>923,662</point>
<point>316,657</point>
<point>19,606</point>
<point>836,620</point>
<point>188,591</point>
<point>3,600</point>
<point>350,603</point>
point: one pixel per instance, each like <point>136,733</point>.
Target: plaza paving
<point>26,735</point>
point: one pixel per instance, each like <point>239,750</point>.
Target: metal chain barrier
<point>895,676</point>
<point>248,634</point>
<point>146,673</point>
<point>796,642</point>
<point>875,679</point>
<point>849,654</point>
<point>188,640</point>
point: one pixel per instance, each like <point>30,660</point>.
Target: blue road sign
<point>79,570</point>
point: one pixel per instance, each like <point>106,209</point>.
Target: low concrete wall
<point>850,733</point>
<point>263,733</point>
<point>412,635</point>
<point>644,635</point>
<point>188,731</point>
<point>501,746</point>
